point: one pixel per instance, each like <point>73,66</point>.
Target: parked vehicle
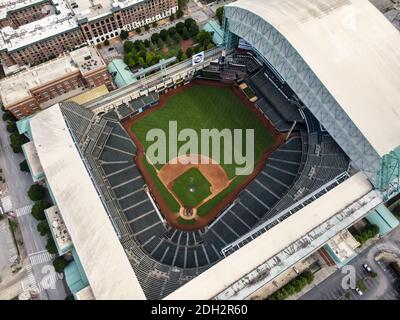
<point>367,267</point>
<point>358,290</point>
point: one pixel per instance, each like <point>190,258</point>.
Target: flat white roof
<point>87,59</point>
<point>32,158</point>
<point>102,256</point>
<point>353,49</point>
<point>97,8</point>
<point>16,88</point>
<point>12,39</point>
<point>249,257</point>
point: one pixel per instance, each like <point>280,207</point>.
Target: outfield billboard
<point>198,58</point>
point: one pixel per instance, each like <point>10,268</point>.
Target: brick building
<point>17,13</point>
<point>59,79</point>
<point>70,24</point>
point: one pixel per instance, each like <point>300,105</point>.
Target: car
<point>111,49</point>
<point>367,267</point>
<point>358,290</point>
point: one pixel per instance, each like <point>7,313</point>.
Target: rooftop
<point>87,59</point>
<point>101,254</point>
<point>94,9</point>
<point>33,160</point>
<point>58,229</point>
<point>17,87</point>
<point>12,39</point>
<point>356,60</point>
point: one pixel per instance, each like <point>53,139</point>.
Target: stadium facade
<point>320,68</point>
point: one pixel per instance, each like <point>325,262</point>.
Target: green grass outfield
<point>206,107</point>
<point>191,178</point>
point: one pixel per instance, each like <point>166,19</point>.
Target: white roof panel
<point>102,256</point>
<point>354,50</point>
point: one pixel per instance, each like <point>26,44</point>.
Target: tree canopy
<point>124,34</point>
<point>23,166</point>
<point>36,192</point>
<point>220,14</point>
<point>38,209</point>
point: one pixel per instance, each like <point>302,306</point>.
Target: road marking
<point>29,282</point>
<point>23,211</point>
<point>40,257</point>
<point>6,203</point>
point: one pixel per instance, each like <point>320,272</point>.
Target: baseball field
<point>203,187</point>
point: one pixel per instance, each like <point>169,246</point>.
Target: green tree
<point>7,116</point>
<point>147,43</point>
<point>172,17</point>
<point>183,57</point>
<point>17,140</point>
<point>177,38</point>
<point>150,58</point>
<point>180,27</point>
<point>185,34</point>
<point>154,38</point>
<point>107,42</point>
<point>204,38</point>
<point>124,34</point>
<point>147,27</point>
<point>164,34</point>
<point>59,264</point>
<point>179,54</point>
<point>51,246</point>
<point>220,14</point>
<point>194,30</point>
<point>128,46</point>
<point>154,24</point>
<point>189,51</point>
<point>11,126</point>
<point>158,57</point>
<point>209,46</point>
<point>38,209</point>
<point>23,166</point>
<point>36,192</point>
<point>141,62</point>
<point>131,62</point>
<point>139,45</point>
<point>182,4</point>
<point>179,14</point>
<point>138,30</point>
<point>43,228</point>
<point>189,22</point>
<point>172,32</point>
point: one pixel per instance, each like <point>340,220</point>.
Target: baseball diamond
<point>198,106</point>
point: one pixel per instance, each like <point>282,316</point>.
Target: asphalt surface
<point>18,184</point>
<point>383,287</point>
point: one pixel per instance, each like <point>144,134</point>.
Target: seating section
<point>78,118</point>
<point>126,110</point>
<point>259,197</point>
<point>273,116</point>
<point>251,64</point>
<point>273,93</point>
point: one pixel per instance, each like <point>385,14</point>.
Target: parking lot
<point>385,286</point>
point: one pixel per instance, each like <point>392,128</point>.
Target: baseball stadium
<point>318,84</point>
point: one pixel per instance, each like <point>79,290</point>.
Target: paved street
<point>383,287</point>
<point>18,185</point>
